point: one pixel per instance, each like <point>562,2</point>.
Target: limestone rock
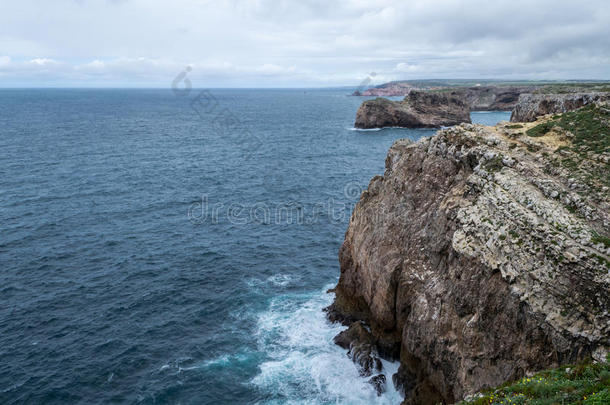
<point>418,110</point>
<point>478,98</point>
<point>475,257</point>
<point>531,106</point>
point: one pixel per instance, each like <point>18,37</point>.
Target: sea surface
<point>162,246</point>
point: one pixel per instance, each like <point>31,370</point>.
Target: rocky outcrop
<point>390,89</point>
<point>478,98</point>
<point>482,254</point>
<point>532,106</point>
<point>362,349</point>
<point>417,110</point>
<point>493,98</point>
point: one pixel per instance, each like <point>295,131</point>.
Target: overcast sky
<point>283,43</point>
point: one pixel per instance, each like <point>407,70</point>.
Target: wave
<point>382,128</point>
<point>303,364</point>
<point>364,129</point>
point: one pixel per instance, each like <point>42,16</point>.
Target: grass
<point>585,383</point>
<point>540,129</point>
<point>573,87</point>
<point>597,238</point>
<point>602,261</point>
<point>514,126</point>
<point>494,164</point>
<point>590,126</point>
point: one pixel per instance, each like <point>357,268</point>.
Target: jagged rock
<point>418,110</point>
<point>493,98</point>
<point>366,357</point>
<point>531,106</point>
<point>478,98</point>
<point>379,383</point>
<point>460,255</point>
<point>362,349</point>
<point>356,334</point>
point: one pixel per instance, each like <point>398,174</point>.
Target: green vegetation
<point>597,238</point>
<point>514,126</point>
<point>602,261</point>
<point>590,126</point>
<point>494,164</point>
<point>540,129</point>
<point>559,88</point>
<point>533,148</point>
<point>585,383</point>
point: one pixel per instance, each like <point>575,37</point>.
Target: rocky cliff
<point>494,98</point>
<point>482,254</point>
<point>417,110</point>
<point>478,98</point>
<point>391,89</point>
<point>532,106</point>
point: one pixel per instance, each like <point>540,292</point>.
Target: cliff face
<point>532,106</point>
<point>417,110</point>
<point>480,255</point>
<point>391,89</point>
<point>491,98</point>
<point>478,98</point>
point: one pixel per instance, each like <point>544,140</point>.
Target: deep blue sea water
<point>160,248</point>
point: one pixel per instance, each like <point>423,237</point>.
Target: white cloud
<point>307,42</point>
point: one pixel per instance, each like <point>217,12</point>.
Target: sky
<point>301,43</point>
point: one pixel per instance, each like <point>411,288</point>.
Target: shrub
<point>540,129</point>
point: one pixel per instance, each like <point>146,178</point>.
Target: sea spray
<point>303,364</point>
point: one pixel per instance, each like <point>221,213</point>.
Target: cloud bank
<point>282,43</point>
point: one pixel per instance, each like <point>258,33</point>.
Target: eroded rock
<point>531,106</point>
<point>361,348</point>
<point>419,109</point>
<point>474,255</point>
<point>379,383</point>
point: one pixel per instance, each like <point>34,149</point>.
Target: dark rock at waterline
<point>404,381</point>
<point>365,356</point>
<point>419,109</point>
<point>355,335</point>
<point>379,383</point>
<point>335,316</point>
<point>362,350</point>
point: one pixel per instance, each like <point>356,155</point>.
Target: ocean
<point>163,246</point>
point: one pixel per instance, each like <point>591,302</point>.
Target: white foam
<point>225,360</point>
<point>281,280</point>
<point>382,128</point>
<point>303,364</point>
<point>277,280</point>
<point>364,129</point>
